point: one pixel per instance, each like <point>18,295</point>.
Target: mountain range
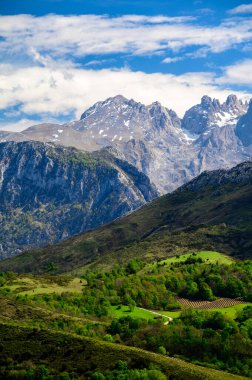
<point>169,150</point>
<point>119,155</point>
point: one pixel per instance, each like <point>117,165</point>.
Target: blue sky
<point>58,57</point>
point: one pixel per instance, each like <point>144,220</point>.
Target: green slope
<point>215,218</point>
<point>85,355</point>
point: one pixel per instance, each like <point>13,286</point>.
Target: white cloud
<point>199,53</point>
<point>99,62</point>
<point>172,59</point>
<point>82,35</point>
<point>44,91</point>
<point>239,73</point>
<point>243,8</point>
<point>47,79</point>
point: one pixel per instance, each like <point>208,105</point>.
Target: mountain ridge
<point>204,214</point>
<point>169,150</point>
<point>49,192</point>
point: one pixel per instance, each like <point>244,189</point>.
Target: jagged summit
<point>117,101</point>
<point>171,151</point>
<point>207,102</point>
<point>118,120</point>
<point>244,127</point>
<point>210,112</point>
<point>231,100</point>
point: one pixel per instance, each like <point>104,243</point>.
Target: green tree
<point>97,376</point>
<point>131,305</point>
<point>161,350</point>
<point>206,292</point>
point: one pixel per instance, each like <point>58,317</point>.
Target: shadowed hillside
<point>85,354</point>
<point>211,212</point>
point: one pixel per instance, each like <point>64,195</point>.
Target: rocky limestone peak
<point>156,105</point>
<point>244,127</point>
<point>208,103</point>
<point>165,118</point>
<point>210,112</point>
<point>196,120</point>
<point>159,115</point>
<point>151,138</point>
<point>118,120</point>
<point>232,100</point>
<point>206,100</point>
<point>118,101</point>
<point>235,106</point>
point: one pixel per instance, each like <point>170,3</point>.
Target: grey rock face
<point>118,120</point>
<point>149,137</point>
<point>211,112</point>
<point>48,193</point>
<point>244,127</point>
<point>168,150</point>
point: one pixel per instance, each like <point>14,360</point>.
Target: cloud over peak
<point>49,64</point>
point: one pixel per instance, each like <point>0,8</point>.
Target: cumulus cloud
<point>47,78</point>
<point>243,8</point>
<point>85,35</point>
<point>59,92</point>
<point>239,73</point>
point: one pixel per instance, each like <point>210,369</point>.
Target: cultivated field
<point>216,304</point>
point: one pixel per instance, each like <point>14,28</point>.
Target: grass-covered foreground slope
<point>30,285</point>
<point>78,355</point>
<point>212,212</point>
<point>128,322</point>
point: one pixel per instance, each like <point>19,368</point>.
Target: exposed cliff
<point>48,192</point>
<point>212,212</point>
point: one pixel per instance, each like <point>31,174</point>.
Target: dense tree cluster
<point>158,286</point>
<point>155,287</point>
<point>10,370</point>
<point>208,338</point>
<point>122,372</point>
<point>200,336</point>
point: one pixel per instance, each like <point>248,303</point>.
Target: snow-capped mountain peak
<point>155,140</point>
<point>118,120</point>
<point>210,112</point>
